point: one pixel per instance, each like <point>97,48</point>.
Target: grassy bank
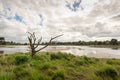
<point>57,66</point>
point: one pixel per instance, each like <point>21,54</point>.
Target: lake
<point>75,50</point>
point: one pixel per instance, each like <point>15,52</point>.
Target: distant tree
<point>114,42</point>
<point>33,45</point>
<point>2,40</point>
<point>25,44</point>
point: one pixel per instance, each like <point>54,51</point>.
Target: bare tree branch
<point>49,42</point>
<point>38,42</point>
<point>32,43</point>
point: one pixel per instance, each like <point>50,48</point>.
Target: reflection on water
<point>13,49</point>
<point>76,50</point>
<point>115,48</point>
<point>1,52</point>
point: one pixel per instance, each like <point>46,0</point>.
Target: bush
<point>113,62</point>
<point>86,58</point>
<point>84,61</point>
<point>59,76</point>
<point>80,62</point>
<point>60,55</point>
<point>21,59</point>
<point>55,56</point>
<point>20,73</point>
<point>43,77</point>
<point>42,57</point>
<point>107,72</point>
<point>46,66</point>
<point>36,75</point>
<point>7,76</point>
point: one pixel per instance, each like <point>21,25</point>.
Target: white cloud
<point>98,20</point>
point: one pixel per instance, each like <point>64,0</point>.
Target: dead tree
<point>33,43</point>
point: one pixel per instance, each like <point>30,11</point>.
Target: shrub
<point>34,63</point>
<point>86,58</point>
<point>42,57</point>
<point>59,75</point>
<point>55,56</point>
<point>7,76</point>
<point>83,61</point>
<point>60,55</point>
<point>107,72</point>
<point>2,62</point>
<point>20,72</point>
<point>43,77</point>
<point>50,72</point>
<point>109,62</point>
<point>36,75</point>
<point>21,59</point>
<point>80,62</point>
<point>113,62</point>
<point>46,66</point>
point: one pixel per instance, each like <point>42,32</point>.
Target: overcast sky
<point>77,20</point>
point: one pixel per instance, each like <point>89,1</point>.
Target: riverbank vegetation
<point>106,43</point>
<point>57,66</point>
<point>112,42</point>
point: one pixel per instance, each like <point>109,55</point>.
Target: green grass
<point>57,66</point>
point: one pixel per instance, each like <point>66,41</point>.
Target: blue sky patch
<point>18,18</point>
<point>41,22</point>
<point>74,6</point>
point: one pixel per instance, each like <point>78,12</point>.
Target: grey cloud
<point>103,8</point>
<point>116,18</point>
<point>10,32</point>
<point>99,21</point>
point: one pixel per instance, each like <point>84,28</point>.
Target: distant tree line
<point>107,42</point>
<point>4,42</point>
<point>13,43</point>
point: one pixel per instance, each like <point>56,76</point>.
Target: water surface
<point>76,50</point>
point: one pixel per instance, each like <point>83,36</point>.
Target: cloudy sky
<point>75,19</point>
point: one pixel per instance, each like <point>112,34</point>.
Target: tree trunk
<point>32,42</point>
<point>33,53</point>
